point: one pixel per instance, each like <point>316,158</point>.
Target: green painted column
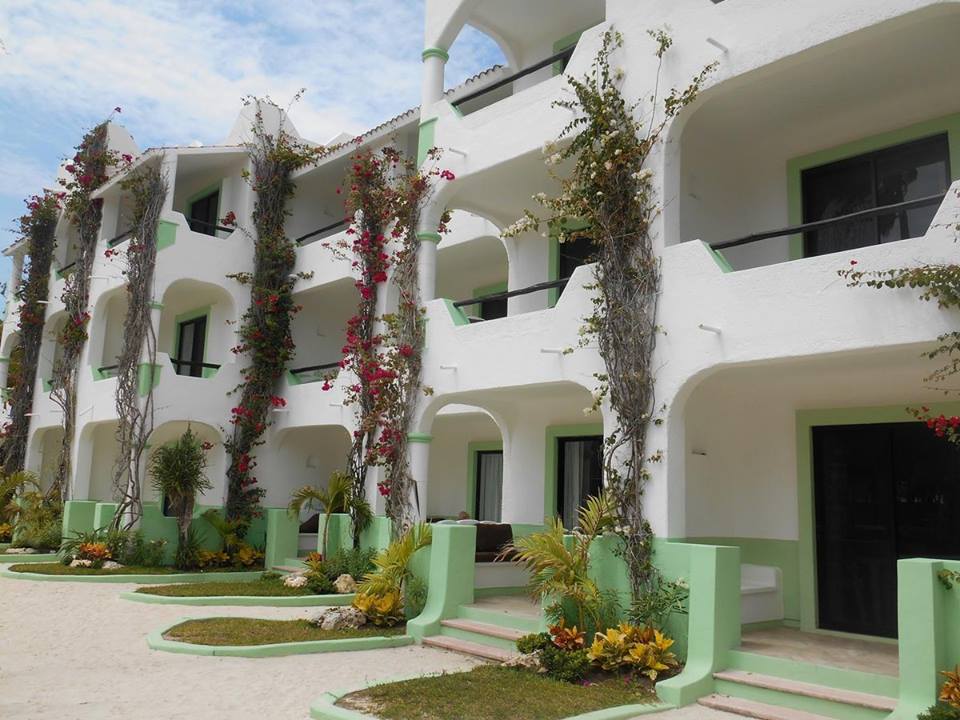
<point>713,622</point>
<point>923,635</point>
<point>283,534</point>
<point>78,517</point>
<point>451,577</point>
<point>103,514</point>
<point>156,526</point>
<point>377,535</point>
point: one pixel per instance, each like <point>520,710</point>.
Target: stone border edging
<point>243,600</point>
<point>239,576</point>
<point>325,708</point>
<point>16,558</point>
<point>156,641</point>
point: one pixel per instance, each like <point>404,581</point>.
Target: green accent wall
<point>149,377</point>
<point>554,433</point>
<point>166,234</point>
<point>425,140</point>
<point>78,517</point>
<point>949,124</point>
<point>805,421</point>
<point>456,314</point>
<point>562,44</point>
<point>415,437</point>
<point>470,504</point>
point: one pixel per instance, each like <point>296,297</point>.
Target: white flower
<point>608,165</point>
<point>295,581</point>
<point>618,74</point>
<point>540,197</point>
<point>553,159</point>
<point>617,152</point>
<point>549,147</point>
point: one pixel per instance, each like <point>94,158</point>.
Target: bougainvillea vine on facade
<point>37,228</point>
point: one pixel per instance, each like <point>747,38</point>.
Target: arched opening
<point>472,261</point>
<point>51,351</point>
<point>195,330</point>
<point>299,457</point>
<point>106,333</point>
<point>216,460</point>
<point>98,442</point>
<point>319,330</point>
<point>821,144</point>
<point>45,454</point>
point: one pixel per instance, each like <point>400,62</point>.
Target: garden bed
<point>128,574</point>
<point>250,637</point>
<point>270,593</point>
<point>490,692</point>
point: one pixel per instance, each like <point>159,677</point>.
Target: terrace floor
<point>872,656</point>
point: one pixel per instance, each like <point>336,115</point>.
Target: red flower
<point>230,219</point>
<point>406,350</point>
<point>379,277</point>
<point>853,262</point>
<point>127,158</point>
<point>70,168</point>
<point>447,175</point>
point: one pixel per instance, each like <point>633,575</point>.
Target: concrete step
<point>287,568</point>
<point>524,623</point>
<point>753,709</point>
<point>810,690</point>
<point>481,628</point>
<point>468,648</point>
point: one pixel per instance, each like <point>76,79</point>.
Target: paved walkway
<point>76,651</point>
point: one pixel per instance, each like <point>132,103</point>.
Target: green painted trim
<point>435,52</point>
<point>433,237</point>
<point>553,434</point>
<point>243,600</point>
<point>485,290</point>
<point>415,437</point>
<point>292,379</point>
<point>456,314</point>
<point>156,641</point>
<point>47,384</point>
<point>805,421</point>
<point>198,577</point>
<point>451,577</point>
<point>818,674</point>
<point>4,359</point>
<point>472,449</point>
<point>156,305</point>
<point>795,166</point>
<point>426,139</point>
<point>718,258</point>
<point>166,234</point>
<point>564,43</point>
<point>16,559</point>
<point>148,378</point>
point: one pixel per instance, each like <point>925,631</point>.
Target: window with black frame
<point>489,484</point>
<point>889,176</point>
<point>203,214</point>
<point>191,339</point>
<point>579,474</point>
<point>571,255</point>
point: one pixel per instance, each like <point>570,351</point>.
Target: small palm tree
<point>178,473</point>
<point>561,574</point>
<point>337,497</point>
<point>392,565</point>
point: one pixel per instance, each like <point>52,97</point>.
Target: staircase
<point>483,631</point>
<point>770,688</point>
<point>291,565</point>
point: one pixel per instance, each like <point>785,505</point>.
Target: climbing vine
<point>264,333</point>
<point>37,227</point>
<point>86,172</point>
<point>136,365</point>
<point>610,194</point>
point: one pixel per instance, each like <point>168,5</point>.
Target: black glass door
<point>890,176</point>
<point>881,492</point>
<point>579,474</point>
<point>573,254</point>
<point>191,338</point>
<point>203,214</point>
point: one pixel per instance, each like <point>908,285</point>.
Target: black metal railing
<point>191,364</point>
<point>113,242</point>
<point>507,294</point>
<point>203,223</point>
<point>315,368</point>
<point>67,268</point>
<point>562,56</point>
<point>106,369</point>
<point>830,222</point>
<point>323,230</point>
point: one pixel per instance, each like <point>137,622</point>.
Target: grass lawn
<point>258,588</point>
<point>61,569</point>
<point>491,692</point>
<point>248,631</point>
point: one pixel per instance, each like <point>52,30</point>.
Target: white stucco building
<point>783,390</point>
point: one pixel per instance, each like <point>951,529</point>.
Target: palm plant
<point>177,471</point>
<point>34,515</point>
<point>392,565</point>
<point>560,574</point>
<point>337,497</point>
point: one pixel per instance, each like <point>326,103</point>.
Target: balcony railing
<point>832,222</point>
<point>66,270</point>
<point>211,226</point>
<point>108,371</point>
<point>323,232</point>
<point>194,369</point>
<point>114,241</point>
<point>507,294</point>
<point>561,57</point>
<point>316,373</point>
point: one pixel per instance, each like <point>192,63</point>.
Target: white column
<point>427,265</point>
<point>16,271</point>
<point>419,451</point>
<point>434,62</point>
<point>168,169</point>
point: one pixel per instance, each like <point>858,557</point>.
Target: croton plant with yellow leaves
<point>630,647</point>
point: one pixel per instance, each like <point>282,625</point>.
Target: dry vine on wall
<point>37,227</point>
<point>137,362</point>
<point>85,173</point>
<point>611,195</point>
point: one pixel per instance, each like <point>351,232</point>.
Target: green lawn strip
<point>61,569</point>
<point>491,692</point>
<point>260,588</point>
<point>250,631</point>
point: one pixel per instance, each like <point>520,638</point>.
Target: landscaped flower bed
<point>67,570</point>
<point>265,587</point>
<point>490,693</point>
<point>250,631</point>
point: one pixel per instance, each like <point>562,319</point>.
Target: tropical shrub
<point>382,593</point>
<point>630,647</point>
<point>559,653</point>
<point>211,559</point>
<point>95,552</point>
<point>355,562</point>
<point>177,472</point>
<point>663,599</point>
<point>940,712</point>
<point>6,532</point>
<point>950,692</point>
<point>383,609</point>
<point>34,515</point>
<point>144,553</point>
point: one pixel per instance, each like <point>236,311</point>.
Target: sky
<point>179,69</point>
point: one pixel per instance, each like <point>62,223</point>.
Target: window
<point>203,213</point>
<point>191,337</point>
<point>489,484</point>
<point>571,255</point>
<point>886,177</point>
<point>579,474</point>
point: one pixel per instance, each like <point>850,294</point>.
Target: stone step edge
<point>756,710</point>
<point>467,648</point>
<point>482,628</point>
<point>810,690</point>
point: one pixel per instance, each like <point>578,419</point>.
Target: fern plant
<point>337,497</point>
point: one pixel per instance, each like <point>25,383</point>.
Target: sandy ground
<point>76,651</point>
